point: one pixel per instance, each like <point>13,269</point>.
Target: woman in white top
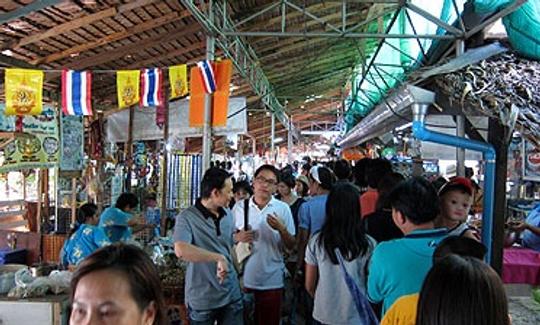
<point>344,230</point>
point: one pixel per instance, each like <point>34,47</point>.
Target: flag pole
<point>207,127</point>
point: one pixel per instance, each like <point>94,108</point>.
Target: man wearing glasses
<point>271,228</point>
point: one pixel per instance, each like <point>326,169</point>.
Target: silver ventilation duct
<point>391,113</point>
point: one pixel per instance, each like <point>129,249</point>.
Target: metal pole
<point>460,123</point>
<point>273,135</point>
<point>207,127</point>
<point>289,142</point>
<point>165,166</point>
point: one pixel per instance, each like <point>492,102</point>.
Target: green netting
<point>397,57</point>
<point>522,26</point>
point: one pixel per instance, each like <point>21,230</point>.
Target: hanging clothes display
<point>184,178</point>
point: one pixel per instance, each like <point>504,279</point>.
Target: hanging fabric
<point>76,92</point>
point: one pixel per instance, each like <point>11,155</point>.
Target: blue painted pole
<point>489,155</point>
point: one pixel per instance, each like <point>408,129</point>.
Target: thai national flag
<point>208,77</point>
<point>76,92</point>
<point>151,84</point>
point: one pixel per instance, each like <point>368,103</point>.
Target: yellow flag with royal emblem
<point>24,91</point>
<point>127,86</point>
<point>178,81</point>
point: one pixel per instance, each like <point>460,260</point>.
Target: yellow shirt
<point>402,312</point>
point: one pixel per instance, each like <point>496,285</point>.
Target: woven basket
<point>51,245</point>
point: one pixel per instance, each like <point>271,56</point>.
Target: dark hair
<point>287,179</point>
<point>136,267</point>
<point>375,170</point>
<point>462,290</point>
<point>213,179</point>
<point>439,182</point>
<point>342,169</point>
<point>127,200</point>
<point>416,199</point>
<point>242,185</point>
<point>289,169</point>
<point>305,187</point>
<point>459,245</point>
<point>359,172</point>
<point>151,196</point>
<point>85,212</point>
<point>343,228</point>
<point>269,168</point>
<point>326,177</point>
<point>385,187</point>
<point>306,167</point>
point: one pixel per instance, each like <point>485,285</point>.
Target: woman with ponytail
<point>84,238</point>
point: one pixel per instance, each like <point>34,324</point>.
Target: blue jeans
<point>231,314</point>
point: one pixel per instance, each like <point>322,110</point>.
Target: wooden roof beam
<point>136,29</point>
<point>25,10</point>
<point>107,56</point>
<point>76,23</point>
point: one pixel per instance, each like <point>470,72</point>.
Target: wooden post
<point>39,201</point>
<point>46,203</point>
<point>129,149</point>
<point>24,187</point>
<point>73,200</point>
<point>164,169</point>
<point>99,164</point>
<point>497,137</point>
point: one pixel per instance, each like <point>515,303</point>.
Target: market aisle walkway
<point>524,310</point>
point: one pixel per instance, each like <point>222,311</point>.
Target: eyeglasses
<point>271,182</point>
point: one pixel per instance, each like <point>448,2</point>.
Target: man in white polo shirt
<point>271,230</point>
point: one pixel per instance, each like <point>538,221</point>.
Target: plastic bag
<point>7,281</point>
<point>59,281</point>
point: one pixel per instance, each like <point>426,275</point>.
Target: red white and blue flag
<point>151,85</point>
<point>76,92</point>
<point>208,77</point>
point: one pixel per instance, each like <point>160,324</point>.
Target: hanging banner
<point>208,76</point>
<point>151,87</point>
<point>23,92</point>
<point>72,144</point>
<point>143,130</point>
<point>127,85</point>
<point>196,99</point>
<point>221,96</point>
<point>38,147</point>
<point>178,81</point>
<point>77,92</point>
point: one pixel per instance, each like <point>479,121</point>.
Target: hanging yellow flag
<point>127,85</point>
<point>24,92</point>
<point>178,81</point>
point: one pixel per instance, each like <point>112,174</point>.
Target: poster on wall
<point>37,148</point>
<point>72,150</point>
<point>531,162</point>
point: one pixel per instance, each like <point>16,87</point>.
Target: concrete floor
<point>523,308</point>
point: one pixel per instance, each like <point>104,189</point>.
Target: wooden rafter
<point>139,28</point>
<point>74,24</point>
<point>147,43</point>
<point>25,10</point>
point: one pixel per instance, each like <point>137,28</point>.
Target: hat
<point>314,173</point>
<point>303,179</point>
<point>457,183</point>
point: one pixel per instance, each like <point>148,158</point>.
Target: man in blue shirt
<point>311,219</point>
<point>531,229</point>
<point>203,237</point>
<point>117,220</point>
<point>398,267</point>
<point>313,212</point>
